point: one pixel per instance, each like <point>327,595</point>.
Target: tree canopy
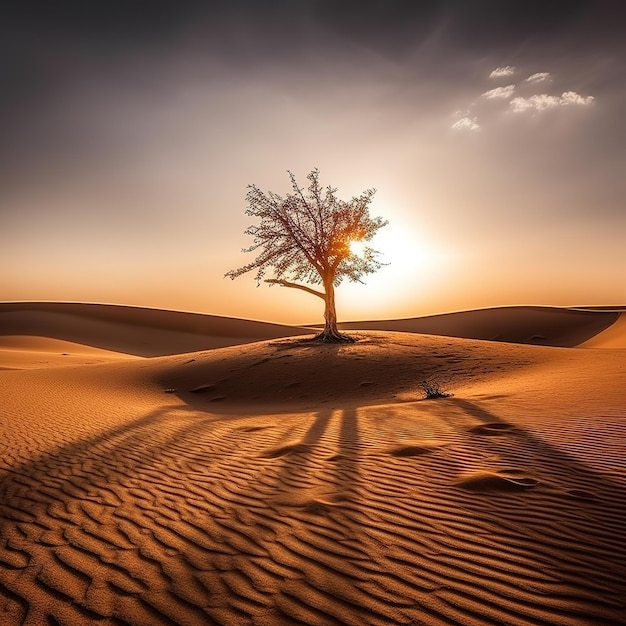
<point>305,237</point>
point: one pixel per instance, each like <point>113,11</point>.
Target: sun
<point>415,264</point>
<point>357,247</point>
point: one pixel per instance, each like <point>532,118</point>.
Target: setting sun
<point>357,247</point>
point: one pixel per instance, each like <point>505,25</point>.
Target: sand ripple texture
<point>432,512</point>
<point>350,516</point>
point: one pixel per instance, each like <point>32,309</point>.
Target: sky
<point>493,132</point>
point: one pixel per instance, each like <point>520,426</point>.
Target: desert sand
<point>164,468</point>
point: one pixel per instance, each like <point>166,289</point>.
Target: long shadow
<point>475,411</point>
<point>101,508</point>
<point>348,475</point>
<point>158,508</point>
<point>575,516</point>
<point>338,473</point>
<point>295,459</point>
<point>312,463</point>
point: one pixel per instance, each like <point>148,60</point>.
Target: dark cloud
<point>393,27</point>
<point>95,23</point>
<point>49,49</point>
<point>42,39</point>
<point>487,23</point>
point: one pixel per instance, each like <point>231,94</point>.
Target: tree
<point>306,237</point>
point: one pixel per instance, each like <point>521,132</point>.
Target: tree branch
<point>285,283</point>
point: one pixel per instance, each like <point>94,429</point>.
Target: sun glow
<point>413,264</point>
<point>406,251</point>
<point>357,247</point>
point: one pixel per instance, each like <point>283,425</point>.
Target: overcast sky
<point>493,132</point>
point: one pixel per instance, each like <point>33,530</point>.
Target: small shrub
<point>433,389</point>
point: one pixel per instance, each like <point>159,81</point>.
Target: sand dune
<point>77,333</point>
<point>282,483</point>
<point>547,326</point>
<point>612,337</point>
<point>24,352</point>
<point>133,330</point>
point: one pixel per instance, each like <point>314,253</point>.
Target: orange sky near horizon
<point>499,166</point>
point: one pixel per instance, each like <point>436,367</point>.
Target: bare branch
<point>285,283</point>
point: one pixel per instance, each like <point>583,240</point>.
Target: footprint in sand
<point>202,389</point>
<point>507,480</point>
<point>293,448</point>
<point>492,428</point>
<point>316,507</point>
<point>414,449</point>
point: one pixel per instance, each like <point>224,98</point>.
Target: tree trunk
<point>331,334</point>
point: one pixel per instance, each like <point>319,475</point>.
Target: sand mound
<point>208,488</point>
<point>133,330</point>
<point>294,373</point>
<point>535,325</point>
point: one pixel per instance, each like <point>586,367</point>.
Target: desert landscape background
<point>160,467</point>
<point>174,449</point>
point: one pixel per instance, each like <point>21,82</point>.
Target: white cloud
<point>543,101</point>
<point>571,97</point>
<point>500,92</point>
<point>539,77</point>
<point>466,123</point>
<point>507,95</point>
<point>539,103</point>
<point>507,70</point>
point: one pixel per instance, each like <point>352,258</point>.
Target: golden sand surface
<point>279,482</point>
<point>614,336</point>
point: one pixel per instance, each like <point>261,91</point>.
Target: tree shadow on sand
<point>185,516</point>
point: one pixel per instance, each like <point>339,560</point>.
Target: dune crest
<point>544,326</point>
<point>133,330</point>
<point>612,337</point>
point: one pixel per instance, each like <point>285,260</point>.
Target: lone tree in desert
<point>311,236</point>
